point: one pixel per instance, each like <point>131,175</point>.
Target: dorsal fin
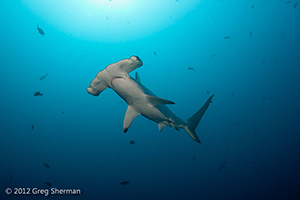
<point>157,101</point>
<point>137,77</point>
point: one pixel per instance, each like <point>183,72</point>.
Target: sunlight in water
<point>109,20</point>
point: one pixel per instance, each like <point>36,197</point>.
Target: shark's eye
<point>137,58</point>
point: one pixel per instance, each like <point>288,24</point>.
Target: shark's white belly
<point>134,95</point>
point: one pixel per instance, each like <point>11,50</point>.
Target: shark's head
<point>114,70</point>
<point>127,65</point>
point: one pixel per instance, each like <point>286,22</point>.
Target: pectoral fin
<point>131,113</point>
<point>157,101</point>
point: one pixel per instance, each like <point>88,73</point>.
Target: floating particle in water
<point>222,166</point>
<point>47,183</point>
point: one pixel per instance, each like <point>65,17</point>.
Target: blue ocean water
<point>246,53</point>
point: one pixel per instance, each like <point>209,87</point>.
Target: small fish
<point>47,183</point>
<point>154,53</point>
<point>252,162</point>
<point>250,34</point>
<point>238,123</point>
<point>125,182</point>
<point>107,18</point>
<point>222,166</point>
<point>44,76</point>
<point>227,37</point>
<point>213,55</point>
<point>38,93</point>
<point>263,61</point>
<point>128,22</point>
<point>40,30</point>
<point>207,92</point>
<point>295,5</point>
<point>62,112</point>
<point>46,165</point>
<point>232,94</point>
<point>194,158</point>
<point>32,127</point>
<point>191,68</point>
<point>288,2</point>
<point>252,6</point>
<point>132,142</point>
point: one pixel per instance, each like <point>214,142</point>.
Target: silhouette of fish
<point>44,76</point>
<point>154,53</point>
<point>125,182</point>
<point>295,5</point>
<point>32,127</point>
<point>46,165</point>
<point>40,30</point>
<point>132,142</point>
<point>191,68</point>
<point>38,93</point>
<point>227,37</point>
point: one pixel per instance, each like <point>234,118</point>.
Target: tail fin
<point>194,120</point>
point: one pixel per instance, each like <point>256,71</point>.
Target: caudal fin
<point>193,121</point>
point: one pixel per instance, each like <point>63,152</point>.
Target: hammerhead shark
<point>140,100</point>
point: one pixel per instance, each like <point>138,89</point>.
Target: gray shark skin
<point>140,100</point>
